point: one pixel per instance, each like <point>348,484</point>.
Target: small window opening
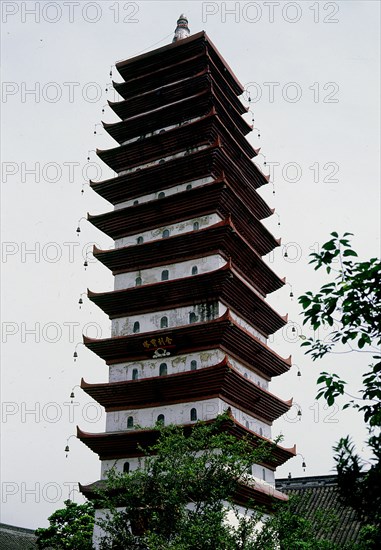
<point>136,327</point>
<point>196,226</point>
<point>193,415</point>
<point>130,422</point>
<point>135,374</point>
<point>138,281</point>
<point>194,270</point>
<point>164,322</point>
<point>163,369</point>
<point>161,419</point>
<point>140,240</point>
<point>193,365</point>
<point>165,275</point>
<point>165,233</point>
<point>192,317</point>
<point>161,195</point>
<point>126,467</point>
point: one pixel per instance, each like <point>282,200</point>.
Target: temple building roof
<point>151,63</point>
<point>222,285</point>
<point>134,443</point>
<point>211,198</point>
<point>222,381</point>
<point>213,160</point>
<point>223,333</point>
<point>221,238</point>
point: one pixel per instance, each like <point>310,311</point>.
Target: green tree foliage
<point>177,499</point>
<point>71,528</point>
<point>351,305</point>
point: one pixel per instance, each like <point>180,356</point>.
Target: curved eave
<point>212,198</point>
<point>136,443</point>
<point>223,333</point>
<point>220,285</point>
<point>247,495</point>
<point>204,131</point>
<point>211,161</point>
<point>180,111</point>
<point>221,238</point>
<point>218,381</point>
<point>163,93</point>
<point>175,52</point>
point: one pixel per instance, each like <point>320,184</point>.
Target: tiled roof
<point>16,538</point>
<point>321,492</point>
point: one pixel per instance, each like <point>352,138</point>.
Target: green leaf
<point>349,252</point>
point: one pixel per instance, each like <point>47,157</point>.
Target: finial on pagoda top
<point>182,29</point>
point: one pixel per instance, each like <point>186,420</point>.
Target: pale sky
<point>313,72</point>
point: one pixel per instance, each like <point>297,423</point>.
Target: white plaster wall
<point>123,326</point>
<point>165,158</point>
<point>167,191</point>
<point>116,421</point>
<point>177,317</point>
<point>174,229</point>
<point>164,129</point>
<point>176,271</point>
<point>176,364</point>
<point>249,374</point>
<point>179,363</point>
<point>232,518</point>
<point>248,327</point>
<point>262,474</point>
<point>118,464</point>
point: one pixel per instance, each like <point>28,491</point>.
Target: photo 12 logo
<point>271,12</point>
<point>71,12</point>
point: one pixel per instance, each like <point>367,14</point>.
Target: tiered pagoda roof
<point>167,93</point>
<point>221,238</point>
<point>215,197</point>
<point>223,333</point>
<point>174,62</point>
<point>134,443</point>
<point>222,381</point>
<point>222,285</point>
<point>196,133</point>
<point>182,130</point>
<point>212,161</point>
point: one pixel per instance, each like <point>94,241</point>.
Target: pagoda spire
<point>182,29</point>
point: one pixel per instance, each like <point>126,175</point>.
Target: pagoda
<point>190,321</point>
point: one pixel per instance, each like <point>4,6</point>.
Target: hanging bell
<point>299,373</point>
<point>291,294</point>
<point>293,330</point>
<point>80,301</point>
<point>67,449</point>
<point>304,466</point>
<point>285,255</point>
<point>75,355</point>
<point>78,230</point>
